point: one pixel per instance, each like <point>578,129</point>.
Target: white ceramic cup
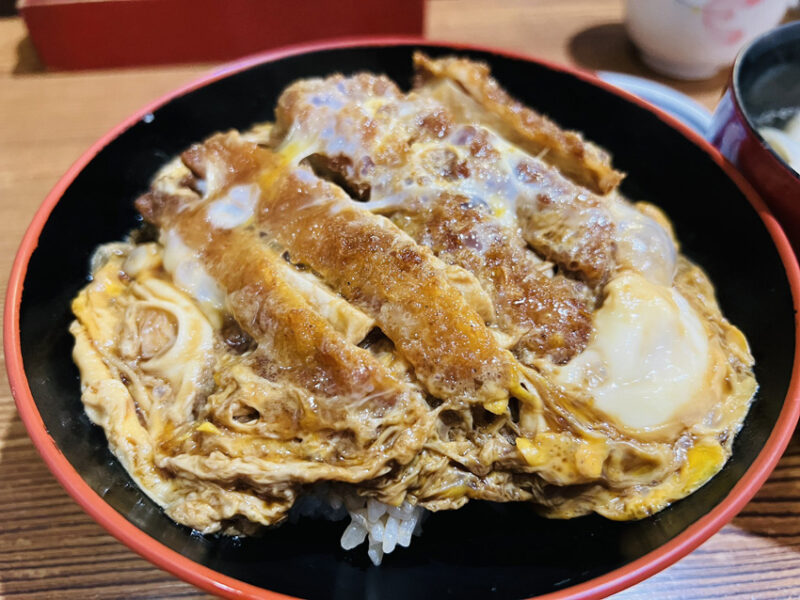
<point>694,39</point>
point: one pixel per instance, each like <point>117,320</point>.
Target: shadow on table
<point>599,46</point>
<point>27,58</point>
<point>8,8</point>
<point>607,47</point>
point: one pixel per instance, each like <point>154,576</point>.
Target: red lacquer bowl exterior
<point>733,130</point>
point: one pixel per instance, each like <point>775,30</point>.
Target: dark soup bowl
<point>483,550</point>
<point>764,90</point>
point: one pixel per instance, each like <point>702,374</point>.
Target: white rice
<point>382,526</point>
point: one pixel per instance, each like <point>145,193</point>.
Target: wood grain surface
<point>50,549</point>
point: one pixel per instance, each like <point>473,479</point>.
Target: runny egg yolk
<point>647,361</point>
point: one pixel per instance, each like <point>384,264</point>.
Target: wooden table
<point>50,549</point>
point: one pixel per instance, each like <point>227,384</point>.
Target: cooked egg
<point>234,208</point>
<point>190,275</point>
<point>643,244</point>
<point>648,357</point>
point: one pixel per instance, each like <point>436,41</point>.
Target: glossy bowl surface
<point>484,550</point>
<point>764,88</point>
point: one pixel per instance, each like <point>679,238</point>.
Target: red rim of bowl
<point>223,585</point>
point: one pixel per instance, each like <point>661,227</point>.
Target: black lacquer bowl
<point>483,550</point>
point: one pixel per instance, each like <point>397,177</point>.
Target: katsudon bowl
<point>484,549</point>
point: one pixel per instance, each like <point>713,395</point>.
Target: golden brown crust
<point>566,224</point>
<point>549,316</point>
<point>587,164</point>
<point>402,147</point>
<point>383,271</point>
<point>296,346</point>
